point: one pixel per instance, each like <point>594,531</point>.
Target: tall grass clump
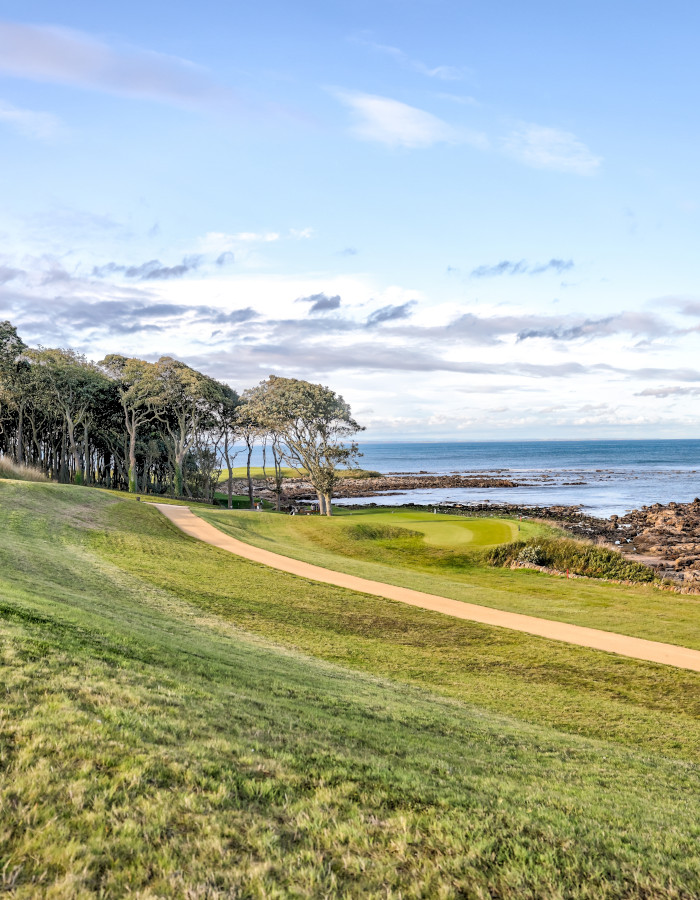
<point>10,469</point>
<point>578,557</point>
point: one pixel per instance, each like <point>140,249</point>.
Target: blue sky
<point>474,220</point>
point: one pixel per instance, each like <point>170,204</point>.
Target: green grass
<point>259,472</point>
<point>452,532</point>
<point>638,610</point>
<point>162,735</point>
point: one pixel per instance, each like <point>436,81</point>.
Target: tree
<point>13,376</point>
<point>224,412</point>
<point>250,429</point>
<point>188,399</point>
<point>139,394</point>
<point>274,442</point>
<point>312,424</point>
<point>76,385</point>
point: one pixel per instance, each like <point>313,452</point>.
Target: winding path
<point>636,648</point>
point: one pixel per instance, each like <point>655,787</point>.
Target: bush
<point>578,557</point>
<point>534,554</point>
<point>10,469</point>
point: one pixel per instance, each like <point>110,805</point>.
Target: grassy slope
<point>149,744</point>
<point>640,610</point>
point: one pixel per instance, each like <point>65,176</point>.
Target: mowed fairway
<point>372,544</point>
<point>177,722</point>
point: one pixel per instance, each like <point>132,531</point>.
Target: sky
<point>474,220</point>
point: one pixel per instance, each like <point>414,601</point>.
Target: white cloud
<point>250,237</point>
<point>397,124</point>
<point>41,125</point>
<point>64,56</point>
<point>443,73</point>
<point>551,148</point>
<point>217,242</point>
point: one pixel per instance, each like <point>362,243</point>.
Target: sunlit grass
<point>16,472</point>
<point>457,572</point>
<point>154,742</point>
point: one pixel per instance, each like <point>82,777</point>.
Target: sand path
<point>637,648</point>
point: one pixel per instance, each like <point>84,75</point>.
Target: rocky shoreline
<point>399,483</point>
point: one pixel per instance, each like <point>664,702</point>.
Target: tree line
<point>163,427</point>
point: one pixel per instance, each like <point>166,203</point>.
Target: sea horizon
<point>601,476</point>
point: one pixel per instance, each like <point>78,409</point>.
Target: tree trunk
<point>321,504</point>
<point>178,482</point>
<point>250,480</point>
<point>70,427</point>
<point>87,464</point>
<point>329,508</point>
<point>133,476</point>
<point>20,436</point>
<point>229,487</point>
<point>62,466</point>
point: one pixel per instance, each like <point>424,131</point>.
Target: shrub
<point>578,557</point>
<point>10,469</point>
<point>534,554</point>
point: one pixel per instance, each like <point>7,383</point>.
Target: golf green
<point>447,531</point>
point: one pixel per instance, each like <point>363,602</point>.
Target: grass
<point>259,472</point>
<point>462,574</point>
<point>162,735</point>
<point>580,557</point>
<point>446,531</point>
<point>15,472</point>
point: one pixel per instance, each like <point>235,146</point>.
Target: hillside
<point>178,722</point>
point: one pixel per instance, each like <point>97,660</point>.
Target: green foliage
<point>578,557</point>
<point>312,426</point>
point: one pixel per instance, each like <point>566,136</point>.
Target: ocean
<point>603,477</point>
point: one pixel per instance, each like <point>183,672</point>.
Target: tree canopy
<point>163,427</point>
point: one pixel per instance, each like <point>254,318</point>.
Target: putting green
<point>447,531</point>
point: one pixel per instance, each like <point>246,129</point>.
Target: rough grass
<point>638,610</point>
<point>14,472</point>
<point>259,472</point>
<point>580,557</point>
<point>151,745</point>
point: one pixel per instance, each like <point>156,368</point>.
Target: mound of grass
<point>366,531</point>
<point>10,469</point>
<point>152,744</point>
<point>358,473</point>
<point>578,557</point>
